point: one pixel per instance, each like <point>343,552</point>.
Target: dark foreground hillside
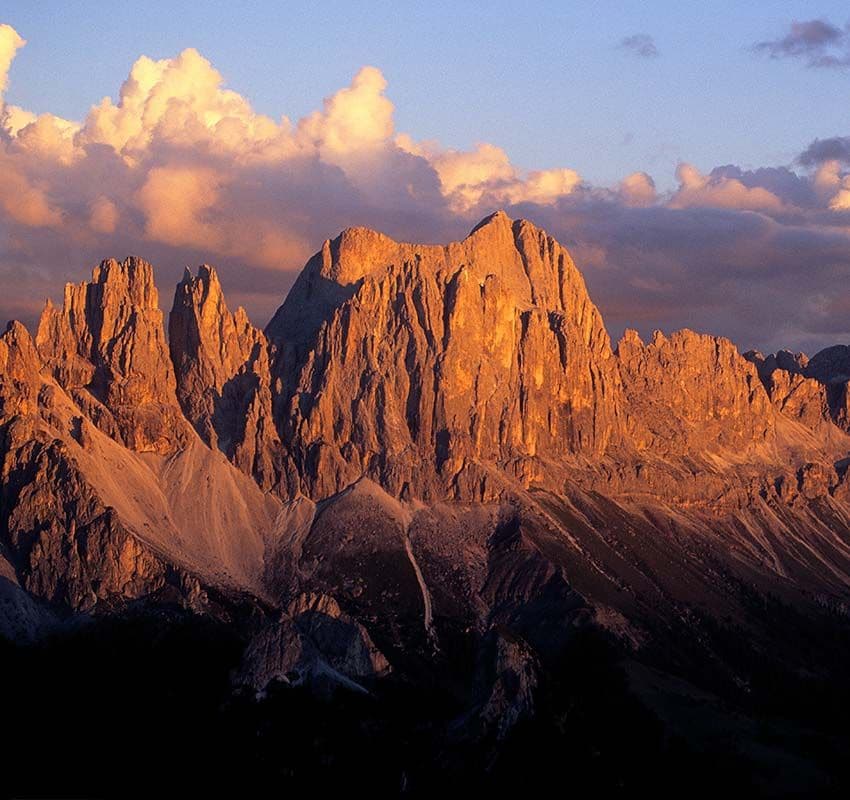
<point>142,705</point>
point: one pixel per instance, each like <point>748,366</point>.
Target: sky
<point>693,157</point>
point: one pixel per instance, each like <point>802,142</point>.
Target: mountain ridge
<point>430,450</point>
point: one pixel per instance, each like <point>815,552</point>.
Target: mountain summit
<point>471,372</point>
<point>429,451</point>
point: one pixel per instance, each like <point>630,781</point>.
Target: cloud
<point>25,201</point>
<point>181,102</point>
<point>719,190</point>
<point>181,169</point>
<point>10,43</point>
<point>640,44</point>
<point>176,202</point>
<point>104,215</point>
<point>637,189</point>
<point>354,122</point>
<point>817,42</point>
<point>835,148</point>
<point>484,176</point>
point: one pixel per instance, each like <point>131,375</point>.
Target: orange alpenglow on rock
<point>435,360</point>
<point>418,425</point>
<point>107,348</point>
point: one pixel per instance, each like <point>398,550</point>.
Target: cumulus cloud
<point>834,148</point>
<point>10,42</point>
<point>104,215</point>
<point>25,201</point>
<point>177,202</point>
<point>354,121</point>
<point>817,42</point>
<point>637,189</point>
<point>181,169</point>
<point>179,101</point>
<point>485,175</point>
<point>838,184</point>
<point>719,190</point>
<point>640,44</point>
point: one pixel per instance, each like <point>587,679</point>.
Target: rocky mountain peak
<point>400,358</point>
<point>498,219</point>
<point>690,392</point>
<point>831,365</point>
<point>130,279</point>
<point>20,366</point>
<point>354,254</point>
<point>221,364</point>
<point>815,390</point>
<point>106,346</point>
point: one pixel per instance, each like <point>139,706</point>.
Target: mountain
<point>433,474</point>
<point>484,353</point>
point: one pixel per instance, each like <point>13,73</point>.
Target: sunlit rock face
<point>20,366</point>
<point>221,362</point>
<point>430,450</point>
<point>106,346</point>
<point>418,365</point>
<point>691,393</point>
<point>790,391</point>
<point>64,543</point>
<point>812,390</point>
<point>832,368</point>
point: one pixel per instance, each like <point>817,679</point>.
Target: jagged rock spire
<point>221,363</point>
<point>106,346</point>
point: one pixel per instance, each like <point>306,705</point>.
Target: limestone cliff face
<point>70,550</point>
<point>792,393</point>
<point>799,398</point>
<point>832,368</point>
<point>221,363</point>
<point>107,348</point>
<point>20,366</point>
<point>691,393</point>
<point>417,365</point>
<point>813,390</point>
<point>64,543</point>
<point>469,372</point>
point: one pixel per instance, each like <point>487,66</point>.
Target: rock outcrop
<point>417,364</point>
<point>315,643</point>
<point>428,447</point>
<point>792,393</point>
<point>811,390</point>
<point>221,363</point>
<point>691,393</point>
<point>20,368</point>
<point>832,368</point>
<point>106,347</point>
<point>831,365</point>
<point>65,545</point>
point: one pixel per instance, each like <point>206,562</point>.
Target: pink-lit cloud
<point>10,42</point>
<point>719,191</point>
<point>181,169</point>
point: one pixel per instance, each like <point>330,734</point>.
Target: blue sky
<point>545,81</point>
